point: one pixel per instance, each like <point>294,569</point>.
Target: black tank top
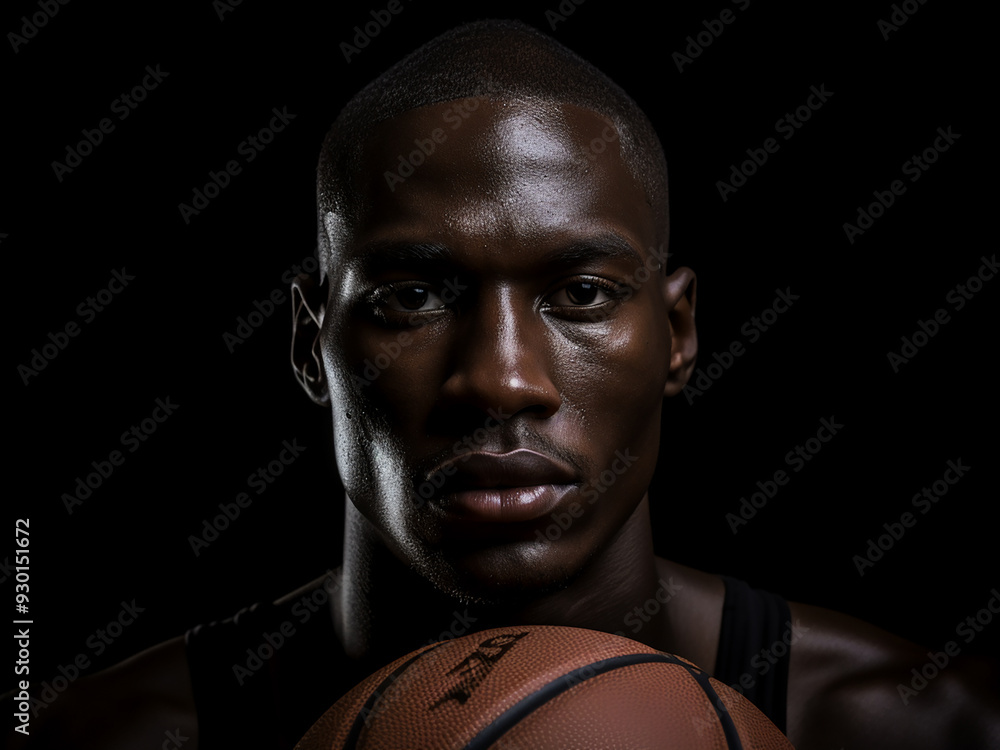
<point>755,646</point>
<point>261,678</point>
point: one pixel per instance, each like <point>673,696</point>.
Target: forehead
<point>488,174</point>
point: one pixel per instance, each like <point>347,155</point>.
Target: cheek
<point>398,372</point>
<point>613,378</point>
<point>387,381</point>
<point>617,367</point>
<point>377,366</point>
<point>362,442</point>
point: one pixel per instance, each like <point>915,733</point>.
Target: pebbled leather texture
<point>443,696</point>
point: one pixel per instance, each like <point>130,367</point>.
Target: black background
<point>825,357</point>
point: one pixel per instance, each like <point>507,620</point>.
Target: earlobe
<point>308,308</point>
<point>679,293</point>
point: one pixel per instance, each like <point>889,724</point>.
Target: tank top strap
<point>262,677</point>
<point>233,694</point>
<point>755,646</point>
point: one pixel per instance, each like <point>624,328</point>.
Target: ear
<point>679,293</point>
<point>308,309</point>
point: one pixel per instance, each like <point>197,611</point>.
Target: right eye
<point>405,298</point>
<point>415,298</point>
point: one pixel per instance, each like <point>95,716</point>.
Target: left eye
<point>413,299</point>
<point>580,294</point>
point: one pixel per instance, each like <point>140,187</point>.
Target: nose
<point>502,359</point>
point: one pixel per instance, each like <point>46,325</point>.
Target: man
<point>494,328</point>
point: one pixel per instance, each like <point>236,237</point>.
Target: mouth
<point>513,487</point>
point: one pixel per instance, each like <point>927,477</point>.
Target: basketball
<point>541,688</point>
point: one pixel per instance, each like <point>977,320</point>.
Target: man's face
<point>496,343</point>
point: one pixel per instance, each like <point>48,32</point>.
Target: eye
<point>414,298</point>
<point>405,301</point>
<point>583,294</point>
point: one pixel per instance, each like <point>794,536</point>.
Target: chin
<point>507,575</point>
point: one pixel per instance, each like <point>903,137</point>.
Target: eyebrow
<point>605,246</point>
<point>379,256</point>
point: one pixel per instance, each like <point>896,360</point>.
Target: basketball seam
<point>351,742</point>
<point>721,712</point>
<point>527,705</point>
<point>530,703</point>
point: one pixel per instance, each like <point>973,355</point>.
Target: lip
<point>518,486</point>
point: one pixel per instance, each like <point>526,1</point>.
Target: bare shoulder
<point>696,622</point>
<point>145,701</point>
<point>853,685</point>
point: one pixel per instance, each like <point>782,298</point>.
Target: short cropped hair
<point>500,60</point>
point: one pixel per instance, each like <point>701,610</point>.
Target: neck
<point>386,610</point>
